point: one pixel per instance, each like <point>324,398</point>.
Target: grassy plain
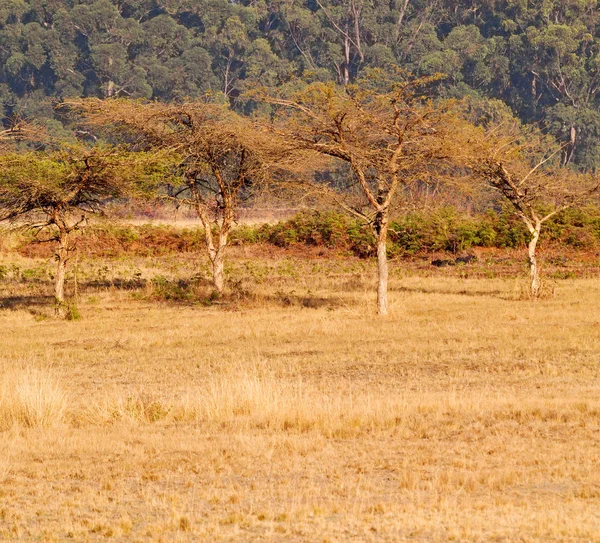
<point>289,412</point>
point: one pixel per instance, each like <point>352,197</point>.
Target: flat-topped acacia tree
<point>221,158</point>
<point>19,130</point>
<point>389,133</point>
<point>523,165</point>
<point>9,135</point>
<point>54,192</point>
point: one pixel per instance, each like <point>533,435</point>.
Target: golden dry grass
<point>30,397</point>
<point>467,415</point>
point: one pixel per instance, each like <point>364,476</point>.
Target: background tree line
<point>539,57</point>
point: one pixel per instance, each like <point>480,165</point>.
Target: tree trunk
<point>217,257</point>
<point>570,148</point>
<point>346,58</point>
<point>533,267</point>
<point>62,256</point>
<point>381,230</point>
<point>215,254</point>
<point>355,11</point>
<point>401,18</point>
<point>110,89</point>
<point>218,265</point>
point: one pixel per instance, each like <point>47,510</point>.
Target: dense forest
<point>539,57</point>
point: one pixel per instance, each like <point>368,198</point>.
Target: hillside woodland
<point>539,57</point>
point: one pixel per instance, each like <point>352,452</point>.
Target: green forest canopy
<point>540,57</point>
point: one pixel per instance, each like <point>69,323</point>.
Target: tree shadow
<point>117,284</point>
<point>500,294</point>
<point>26,302</point>
<point>248,300</point>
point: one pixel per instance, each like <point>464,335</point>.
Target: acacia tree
<point>54,192</point>
<point>220,157</point>
<point>389,138</point>
<point>522,166</point>
<point>8,135</point>
<point>18,130</point>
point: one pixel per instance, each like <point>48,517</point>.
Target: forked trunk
<point>217,257</point>
<point>533,266</point>
<point>381,230</point>
<point>215,248</point>
<point>62,256</point>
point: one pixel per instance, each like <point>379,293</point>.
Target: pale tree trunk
<point>570,147</point>
<point>216,253</point>
<point>216,248</point>
<point>381,231</point>
<point>62,256</point>
<point>355,11</point>
<point>218,272</point>
<point>533,266</point>
<point>217,259</point>
<point>346,58</point>
<point>110,89</point>
<point>400,20</point>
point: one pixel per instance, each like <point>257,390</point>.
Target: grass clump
<point>30,398</point>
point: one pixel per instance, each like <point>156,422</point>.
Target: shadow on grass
<point>501,294</point>
<point>195,292</point>
<point>199,291</point>
<point>246,300</point>
<point>26,302</point>
<point>117,284</point>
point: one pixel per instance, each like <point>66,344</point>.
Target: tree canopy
<point>388,132</point>
<point>54,191</point>
<point>217,158</point>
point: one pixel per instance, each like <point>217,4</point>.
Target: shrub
<point>444,229</point>
<point>408,234</point>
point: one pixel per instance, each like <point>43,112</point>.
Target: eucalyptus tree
<point>541,57</point>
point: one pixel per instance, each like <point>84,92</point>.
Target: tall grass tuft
<point>31,397</point>
<point>256,398</point>
<point>248,393</point>
<point>5,461</point>
<point>131,407</point>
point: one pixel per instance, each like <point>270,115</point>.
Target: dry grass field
<point>289,412</point>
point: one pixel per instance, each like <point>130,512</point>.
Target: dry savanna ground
<point>288,412</point>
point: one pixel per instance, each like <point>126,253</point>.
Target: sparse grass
<point>467,415</point>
